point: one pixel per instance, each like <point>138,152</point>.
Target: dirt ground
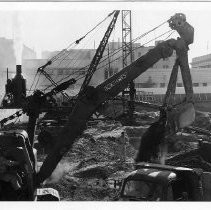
<point>106,151</point>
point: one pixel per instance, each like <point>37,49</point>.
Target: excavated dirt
<point>102,155</point>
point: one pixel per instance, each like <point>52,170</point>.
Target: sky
<point>54,25</point>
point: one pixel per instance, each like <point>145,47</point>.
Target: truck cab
<point>154,182</point>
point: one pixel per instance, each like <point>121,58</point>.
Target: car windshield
<point>142,190</point>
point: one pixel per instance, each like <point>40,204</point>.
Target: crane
<point>89,99</point>
<point>94,97</point>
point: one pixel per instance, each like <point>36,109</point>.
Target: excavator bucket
<point>181,116</point>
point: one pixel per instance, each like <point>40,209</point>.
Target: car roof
<point>152,175</point>
<point>161,173</point>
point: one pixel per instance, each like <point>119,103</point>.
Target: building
<point>70,64</point>
<point>203,61</point>
<point>74,63</point>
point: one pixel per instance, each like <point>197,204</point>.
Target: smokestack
<point>7,73</point>
<point>18,69</point>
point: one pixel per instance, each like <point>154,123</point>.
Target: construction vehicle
<point>15,90</point>
<point>90,98</point>
<point>155,182</point>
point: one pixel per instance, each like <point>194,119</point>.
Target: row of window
<point>204,66</point>
<point>61,72</point>
<point>110,72</point>
<point>162,85</point>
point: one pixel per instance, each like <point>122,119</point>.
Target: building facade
<point>74,64</point>
<point>203,61</point>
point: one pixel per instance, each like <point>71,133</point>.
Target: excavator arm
<point>94,97</point>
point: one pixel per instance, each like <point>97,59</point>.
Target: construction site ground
<point>102,157</point>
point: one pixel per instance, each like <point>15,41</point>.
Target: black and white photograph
<point>105,101</point>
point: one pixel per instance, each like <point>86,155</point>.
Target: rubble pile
<point>97,156</point>
<point>203,120</point>
<point>191,159</point>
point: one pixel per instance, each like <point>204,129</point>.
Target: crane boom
<point>99,52</point>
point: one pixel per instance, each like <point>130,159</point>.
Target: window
<point>115,70</point>
<point>195,84</point>
<point>162,84</point>
<point>60,72</point>
<point>180,190</point>
<point>110,72</point>
<point>166,59</point>
<point>106,74</point>
<point>179,85</point>
<point>143,190</point>
<point>165,66</point>
<point>50,72</point>
<point>138,85</point>
<point>204,84</point>
<point>88,55</point>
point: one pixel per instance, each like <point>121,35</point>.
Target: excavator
<point>17,154</point>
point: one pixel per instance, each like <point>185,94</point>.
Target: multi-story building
<point>73,62</point>
<point>203,61</point>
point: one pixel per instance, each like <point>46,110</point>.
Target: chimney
<point>18,70</point>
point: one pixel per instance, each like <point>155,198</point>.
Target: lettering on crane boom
<point>112,84</point>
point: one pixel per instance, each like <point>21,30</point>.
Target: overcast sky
<point>52,26</point>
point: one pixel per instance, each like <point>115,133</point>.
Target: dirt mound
<point>191,159</point>
<point>182,142</point>
<point>203,120</point>
<point>103,153</point>
<point>100,170</point>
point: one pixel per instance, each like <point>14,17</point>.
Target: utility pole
<point>127,58</point>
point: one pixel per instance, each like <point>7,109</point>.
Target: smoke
<point>163,150</point>
<point>18,37</point>
<point>58,173</point>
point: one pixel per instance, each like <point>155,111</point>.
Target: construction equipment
<point>90,98</point>
<point>15,90</point>
<point>155,182</point>
<point>21,183</point>
<point>94,97</point>
<point>18,164</point>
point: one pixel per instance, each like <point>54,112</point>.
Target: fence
<point>158,98</point>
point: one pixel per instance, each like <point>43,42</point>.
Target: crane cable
<point>132,50</point>
<point>78,53</point>
<point>138,47</point>
<point>119,49</point>
<point>18,113</point>
<point>74,60</point>
<point>78,40</point>
<point>41,69</point>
